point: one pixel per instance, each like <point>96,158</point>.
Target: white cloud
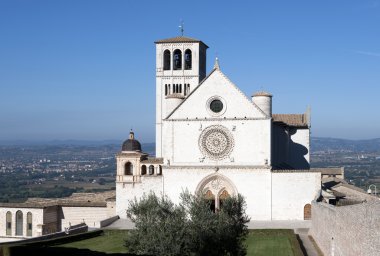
<point>373,54</point>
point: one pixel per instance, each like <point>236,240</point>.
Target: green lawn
<point>260,243</point>
<point>112,241</point>
<point>273,243</point>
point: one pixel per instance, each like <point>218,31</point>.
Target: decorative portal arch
<point>307,212</point>
<point>19,223</point>
<point>217,186</point>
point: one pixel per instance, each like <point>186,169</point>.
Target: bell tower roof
<point>179,39</point>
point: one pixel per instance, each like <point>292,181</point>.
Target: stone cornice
<point>257,167</point>
<point>215,119</point>
<point>295,171</point>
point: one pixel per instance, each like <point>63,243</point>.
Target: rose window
<point>216,142</point>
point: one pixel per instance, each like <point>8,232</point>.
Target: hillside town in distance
<point>68,168</point>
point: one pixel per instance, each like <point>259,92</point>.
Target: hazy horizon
<point>85,70</point>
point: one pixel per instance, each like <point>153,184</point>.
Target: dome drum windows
<point>128,169</point>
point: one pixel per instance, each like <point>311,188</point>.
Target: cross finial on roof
<point>216,65</point>
<point>131,135</point>
<point>181,27</point>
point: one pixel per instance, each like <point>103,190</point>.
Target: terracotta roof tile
<point>179,39</point>
<point>262,93</point>
<point>153,160</point>
<point>296,120</point>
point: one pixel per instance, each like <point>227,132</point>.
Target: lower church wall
<point>291,191</point>
<point>269,195</point>
<point>252,184</point>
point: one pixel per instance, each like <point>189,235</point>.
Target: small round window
<point>216,106</point>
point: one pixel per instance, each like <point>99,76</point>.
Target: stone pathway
<point>306,242</point>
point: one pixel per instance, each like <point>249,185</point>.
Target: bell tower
<point>180,67</point>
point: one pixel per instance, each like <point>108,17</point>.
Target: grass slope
<point>111,241</point>
<point>272,242</point>
<point>264,242</point>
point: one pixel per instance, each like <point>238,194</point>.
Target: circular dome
<point>131,144</point>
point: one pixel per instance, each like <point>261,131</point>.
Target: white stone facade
<point>212,139</point>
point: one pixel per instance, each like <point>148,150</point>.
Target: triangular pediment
<point>217,86</point>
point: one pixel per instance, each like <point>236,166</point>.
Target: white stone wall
<point>269,195</point>
<point>217,84</point>
<point>347,230</point>
<point>37,221</point>
<point>89,215</point>
<point>251,142</point>
<point>125,192</point>
<point>291,192</point>
<point>253,184</point>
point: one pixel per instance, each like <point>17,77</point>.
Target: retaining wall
<point>347,230</point>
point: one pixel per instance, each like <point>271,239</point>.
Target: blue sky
<point>78,69</point>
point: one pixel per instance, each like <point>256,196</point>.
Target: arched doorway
<point>216,188</point>
<point>209,196</point>
<point>307,212</point>
<point>223,196</point>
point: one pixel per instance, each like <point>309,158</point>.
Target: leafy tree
<point>190,228</point>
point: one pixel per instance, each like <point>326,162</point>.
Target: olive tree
<point>190,228</point>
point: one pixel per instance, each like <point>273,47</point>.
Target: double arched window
<point>128,169</point>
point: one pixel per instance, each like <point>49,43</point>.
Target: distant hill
<point>325,144</point>
<point>317,144</point>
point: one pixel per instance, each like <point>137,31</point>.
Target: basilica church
<point>213,140</point>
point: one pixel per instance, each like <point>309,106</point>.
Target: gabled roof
<point>295,120</point>
<point>228,81</point>
<point>192,92</point>
<point>179,39</point>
